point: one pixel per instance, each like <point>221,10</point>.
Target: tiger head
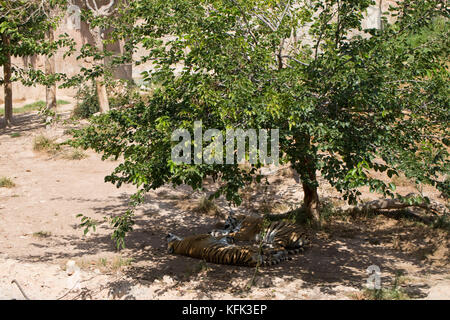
<point>231,223</point>
<point>171,238</point>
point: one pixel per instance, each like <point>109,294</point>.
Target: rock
<point>265,282</point>
<point>71,267</point>
<point>168,280</point>
<point>279,296</point>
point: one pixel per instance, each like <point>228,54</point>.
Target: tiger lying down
<point>243,241</point>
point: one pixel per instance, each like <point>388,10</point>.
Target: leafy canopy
<point>24,23</point>
<point>348,102</point>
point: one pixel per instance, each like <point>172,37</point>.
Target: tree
<point>54,10</point>
<point>23,25</point>
<point>6,61</point>
<point>98,34</point>
<point>347,102</point>
<point>50,90</point>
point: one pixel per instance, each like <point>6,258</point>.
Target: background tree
<point>348,102</point>
<point>55,10</point>
<point>23,28</point>
<point>50,90</point>
<point>95,21</point>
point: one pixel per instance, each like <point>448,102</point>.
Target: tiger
<point>278,234</point>
<point>222,250</point>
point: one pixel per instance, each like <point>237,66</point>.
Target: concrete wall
<point>69,65</point>
<point>82,35</point>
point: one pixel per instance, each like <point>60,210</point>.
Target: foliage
<point>24,23</point>
<point>348,102</point>
<point>87,223</point>
<point>87,102</point>
<point>123,93</point>
<point>434,30</point>
<point>87,98</point>
<point>442,222</point>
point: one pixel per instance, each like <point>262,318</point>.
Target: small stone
<point>264,282</point>
<point>279,296</point>
<point>168,280</point>
<point>71,267</point>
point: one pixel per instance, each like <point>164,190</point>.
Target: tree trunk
<point>50,92</point>
<point>7,83</point>
<point>311,202</point>
<point>102,95</point>
<point>100,81</point>
<point>305,166</point>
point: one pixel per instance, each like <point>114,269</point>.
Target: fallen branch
<point>20,288</point>
<point>395,204</point>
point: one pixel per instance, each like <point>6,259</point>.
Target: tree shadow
<point>24,122</point>
<point>338,256</point>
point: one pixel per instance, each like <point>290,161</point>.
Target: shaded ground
<point>39,233</point>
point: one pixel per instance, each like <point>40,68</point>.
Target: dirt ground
<point>41,237</point>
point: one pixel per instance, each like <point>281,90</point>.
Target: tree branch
<point>296,60</point>
<point>392,204</point>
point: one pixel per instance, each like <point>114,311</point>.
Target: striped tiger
<point>222,250</point>
<point>278,234</point>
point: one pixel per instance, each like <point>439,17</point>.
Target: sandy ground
<point>40,234</point>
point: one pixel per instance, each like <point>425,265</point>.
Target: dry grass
<point>246,167</point>
<point>402,181</point>
<point>6,182</point>
<point>46,145</point>
<point>113,264</point>
<point>381,294</point>
<point>270,206</point>
<point>42,234</point>
<point>279,207</point>
<point>287,172</point>
<point>75,154</point>
<point>43,144</point>
<point>391,293</point>
<point>208,207</point>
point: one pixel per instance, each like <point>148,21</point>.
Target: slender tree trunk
<point>100,81</point>
<point>305,166</point>
<point>311,199</point>
<point>102,95</point>
<point>7,83</point>
<point>50,70</point>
